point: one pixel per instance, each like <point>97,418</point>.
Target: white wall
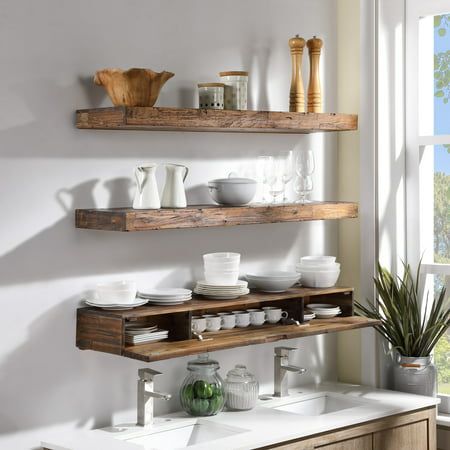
<point>49,52</point>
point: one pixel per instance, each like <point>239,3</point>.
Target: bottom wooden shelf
<point>241,337</point>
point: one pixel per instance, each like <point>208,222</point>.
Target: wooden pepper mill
<point>314,92</point>
<point>297,93</point>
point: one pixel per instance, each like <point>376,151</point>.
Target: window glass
<point>442,74</point>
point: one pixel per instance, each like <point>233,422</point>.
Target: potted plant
<point>410,326</point>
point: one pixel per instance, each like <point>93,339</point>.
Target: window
<point>428,152</point>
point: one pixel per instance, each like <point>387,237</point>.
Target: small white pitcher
<point>147,196</point>
<point>174,195</point>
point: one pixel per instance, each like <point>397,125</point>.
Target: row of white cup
<point>240,319</point>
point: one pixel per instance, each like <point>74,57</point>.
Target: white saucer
<point>239,284</point>
<point>115,306</point>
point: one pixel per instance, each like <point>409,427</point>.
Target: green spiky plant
<point>398,309</point>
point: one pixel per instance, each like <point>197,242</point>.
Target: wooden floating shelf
<point>190,119</point>
<point>104,331</point>
<point>198,216</point>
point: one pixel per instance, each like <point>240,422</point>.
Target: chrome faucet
<point>281,369</point>
<point>145,396</point>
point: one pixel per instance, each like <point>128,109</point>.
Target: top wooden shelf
<point>190,119</point>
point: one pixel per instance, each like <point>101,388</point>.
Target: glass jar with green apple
<point>202,392</point>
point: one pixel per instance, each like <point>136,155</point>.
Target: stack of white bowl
<point>115,295</point>
<point>222,269</point>
<point>318,271</point>
<point>273,281</point>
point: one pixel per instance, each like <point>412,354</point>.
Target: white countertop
<point>259,427</point>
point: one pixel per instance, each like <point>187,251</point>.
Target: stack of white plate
<point>318,271</point>
<point>116,306</point>
<point>324,310</point>
<point>166,296</point>
<point>135,334</point>
<point>273,281</point>
<point>308,315</point>
<point>221,292</point>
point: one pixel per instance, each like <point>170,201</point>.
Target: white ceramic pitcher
<point>174,195</point>
<point>147,196</point>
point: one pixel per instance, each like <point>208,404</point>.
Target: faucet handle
<point>147,374</point>
<point>284,351</point>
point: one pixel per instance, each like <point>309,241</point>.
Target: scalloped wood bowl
<point>133,87</point>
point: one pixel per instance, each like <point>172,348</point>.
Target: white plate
<point>145,335</point>
<point>239,283</point>
<point>165,303</point>
<point>322,306</point>
<point>175,299</point>
<point>319,315</point>
<point>206,291</point>
<point>113,306</point>
<point>166,292</point>
<point>224,296</point>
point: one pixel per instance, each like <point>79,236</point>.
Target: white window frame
<point>419,210</point>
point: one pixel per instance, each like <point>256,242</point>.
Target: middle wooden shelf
<point>104,331</point>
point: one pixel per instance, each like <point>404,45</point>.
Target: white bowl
<point>230,265</point>
<point>222,278</point>
<point>332,268</point>
<point>274,275</point>
<point>319,279</point>
<point>117,292</point>
<point>221,257</point>
<point>317,260</point>
<point>271,285</point>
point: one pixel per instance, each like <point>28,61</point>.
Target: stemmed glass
<point>304,167</point>
<point>263,162</point>
<point>273,173</point>
<point>288,170</point>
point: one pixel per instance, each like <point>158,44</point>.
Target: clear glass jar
<point>241,389</point>
<point>202,392</point>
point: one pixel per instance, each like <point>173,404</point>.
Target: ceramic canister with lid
<point>241,389</point>
<point>235,89</point>
<point>211,95</point>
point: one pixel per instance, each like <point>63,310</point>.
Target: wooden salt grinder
<point>297,93</point>
<point>314,92</point>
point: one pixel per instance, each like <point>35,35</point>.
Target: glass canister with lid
<point>241,389</point>
<point>202,392</point>
<point>211,95</point>
<point>235,94</point>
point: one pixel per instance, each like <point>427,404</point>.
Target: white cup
<point>213,323</point>
<point>228,320</point>
<point>274,314</point>
<point>198,324</point>
<point>242,318</point>
<point>257,316</point>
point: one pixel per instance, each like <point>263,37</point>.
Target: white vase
<point>174,195</point>
<point>147,196</point>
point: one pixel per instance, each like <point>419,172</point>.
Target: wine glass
<point>262,163</point>
<point>273,172</point>
<point>304,167</point>
<point>288,170</point>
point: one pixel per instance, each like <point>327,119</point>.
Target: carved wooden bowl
<point>133,87</point>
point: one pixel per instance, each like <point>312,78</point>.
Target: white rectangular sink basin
<point>319,405</point>
<point>199,432</point>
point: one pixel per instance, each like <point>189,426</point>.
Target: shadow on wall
<point>61,250</point>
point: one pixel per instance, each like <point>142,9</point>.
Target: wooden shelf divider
<point>104,331</point>
<point>191,119</point>
<point>197,216</point>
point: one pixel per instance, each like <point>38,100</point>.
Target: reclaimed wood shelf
<point>190,119</point>
<point>198,216</point>
<point>104,331</point>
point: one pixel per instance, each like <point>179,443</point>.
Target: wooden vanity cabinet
<point>411,431</point>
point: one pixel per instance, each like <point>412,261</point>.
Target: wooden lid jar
<point>235,89</point>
